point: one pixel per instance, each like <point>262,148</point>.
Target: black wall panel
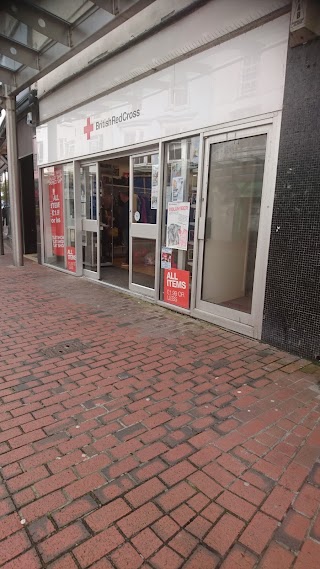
<point>292,302</point>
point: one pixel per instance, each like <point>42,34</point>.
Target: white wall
<point>212,21</point>
<point>239,78</point>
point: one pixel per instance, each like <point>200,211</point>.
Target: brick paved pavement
<point>134,437</point>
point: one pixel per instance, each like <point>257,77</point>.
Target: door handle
<point>201,228</point>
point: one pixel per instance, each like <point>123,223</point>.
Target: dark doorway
<point>114,217</point>
<point>28,205</point>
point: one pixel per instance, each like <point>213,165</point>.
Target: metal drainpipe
<point>14,182</point>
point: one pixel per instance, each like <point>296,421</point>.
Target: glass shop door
<point>231,226</point>
<point>143,218</point>
<point>90,208</point>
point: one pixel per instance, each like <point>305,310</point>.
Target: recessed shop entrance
<point>114,221</point>
<point>119,202</point>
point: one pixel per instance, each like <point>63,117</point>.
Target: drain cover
<point>63,348</point>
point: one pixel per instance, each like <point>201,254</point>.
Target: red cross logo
<point>88,129</point>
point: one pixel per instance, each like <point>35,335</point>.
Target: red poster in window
<point>71,259</point>
<point>56,211</point>
<point>176,287</point>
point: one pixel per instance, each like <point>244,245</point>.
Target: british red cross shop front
<point>165,188</point>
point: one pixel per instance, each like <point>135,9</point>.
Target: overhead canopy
<point>36,36</point>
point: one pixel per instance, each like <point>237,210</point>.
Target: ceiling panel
<point>37,36</point>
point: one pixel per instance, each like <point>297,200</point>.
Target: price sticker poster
<point>166,258</point>
<point>178,225</point>
<point>176,287</point>
<point>177,189</point>
<point>56,211</point>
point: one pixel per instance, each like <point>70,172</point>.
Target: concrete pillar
<point>14,182</point>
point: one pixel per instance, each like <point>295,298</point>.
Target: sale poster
<point>71,259</point>
<point>178,225</point>
<point>176,287</point>
<point>56,211</point>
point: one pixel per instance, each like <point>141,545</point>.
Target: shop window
<point>59,216</point>
<point>178,223</point>
<point>145,188</point>
<point>143,261</point>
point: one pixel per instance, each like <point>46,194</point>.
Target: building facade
<point>158,164</point>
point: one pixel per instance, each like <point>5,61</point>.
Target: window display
<point>59,216</point>
<point>179,209</point>
<point>145,188</point>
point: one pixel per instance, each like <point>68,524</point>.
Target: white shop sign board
<point>241,78</point>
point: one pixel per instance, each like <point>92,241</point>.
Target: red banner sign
<point>56,211</point>
<point>71,259</point>
<point>176,287</point>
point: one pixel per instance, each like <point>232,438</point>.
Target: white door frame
<point>93,224</point>
<point>248,324</point>
<point>144,230</point>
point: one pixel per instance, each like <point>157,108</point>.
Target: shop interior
<point>114,224</point>
<point>114,221</point>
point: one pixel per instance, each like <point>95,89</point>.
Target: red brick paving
<point>149,440</point>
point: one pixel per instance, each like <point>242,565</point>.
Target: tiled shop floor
<point>135,437</point>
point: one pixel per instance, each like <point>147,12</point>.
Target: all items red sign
<point>176,287</point>
<point>71,259</point>
<point>56,211</point>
